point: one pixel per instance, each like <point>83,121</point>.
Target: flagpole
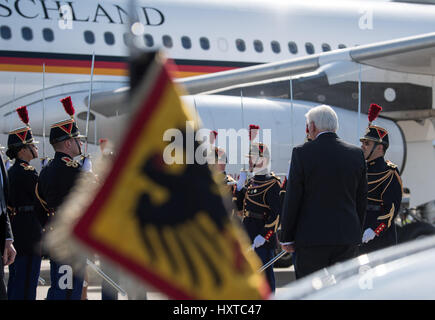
<point>89,103</point>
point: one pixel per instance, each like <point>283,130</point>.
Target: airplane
<point>275,58</point>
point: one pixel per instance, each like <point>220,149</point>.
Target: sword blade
<point>277,257</point>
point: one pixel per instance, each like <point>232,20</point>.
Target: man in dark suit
<point>326,197</point>
<point>6,238</point>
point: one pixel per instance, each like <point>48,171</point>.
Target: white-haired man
<point>324,208</point>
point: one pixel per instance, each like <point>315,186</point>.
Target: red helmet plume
<point>213,135</point>
<point>253,130</point>
<point>374,111</point>
<point>23,114</point>
<point>68,106</point>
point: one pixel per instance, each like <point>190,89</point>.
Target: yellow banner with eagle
<point>166,224</point>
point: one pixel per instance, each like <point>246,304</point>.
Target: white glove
<point>86,164</point>
<point>242,179</point>
<point>8,164</point>
<point>258,241</point>
<point>368,235</point>
<point>44,162</point>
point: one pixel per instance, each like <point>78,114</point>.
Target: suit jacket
<point>326,196</point>
<point>5,225</point>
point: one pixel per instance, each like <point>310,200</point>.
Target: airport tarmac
<point>283,276</point>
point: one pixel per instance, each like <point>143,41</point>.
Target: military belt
<point>254,215</point>
<point>373,207</point>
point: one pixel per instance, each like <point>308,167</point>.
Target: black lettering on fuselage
<point>147,11</point>
<point>8,10</point>
<point>18,9</point>
<point>74,15</point>
<point>105,14</point>
<point>44,7</point>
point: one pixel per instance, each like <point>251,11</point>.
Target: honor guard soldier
<point>384,188</point>
<point>259,202</point>
<point>24,272</point>
<point>54,184</point>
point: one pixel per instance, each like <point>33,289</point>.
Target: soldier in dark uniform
<point>24,272</point>
<point>54,184</point>
<point>384,190</point>
<point>259,202</point>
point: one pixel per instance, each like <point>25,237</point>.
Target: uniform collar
<point>376,162</point>
<point>60,155</point>
<point>262,172</point>
<point>260,177</point>
<point>18,161</point>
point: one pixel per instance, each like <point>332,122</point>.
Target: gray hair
<point>324,117</point>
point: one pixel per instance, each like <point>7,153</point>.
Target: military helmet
<point>65,129</point>
<point>375,133</point>
<point>259,150</point>
<point>21,136</point>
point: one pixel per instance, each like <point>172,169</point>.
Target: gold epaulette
<point>391,165</point>
<point>69,162</point>
<point>275,176</point>
<point>27,167</point>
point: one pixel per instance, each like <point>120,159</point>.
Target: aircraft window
<point>341,46</point>
<point>258,46</point>
<point>275,46</point>
<point>309,48</point>
<point>240,44</point>
<point>186,42</point>
<point>204,43</point>
<point>48,34</point>
<point>5,32</point>
<point>292,47</point>
<point>149,40</point>
<point>167,41</point>
<point>109,38</point>
<point>27,33</point>
<point>326,47</point>
<point>89,37</point>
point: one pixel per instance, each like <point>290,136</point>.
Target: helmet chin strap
<point>78,146</point>
<point>31,150</point>
<point>373,149</point>
<point>254,165</point>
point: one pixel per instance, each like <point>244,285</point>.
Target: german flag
<point>167,225</point>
